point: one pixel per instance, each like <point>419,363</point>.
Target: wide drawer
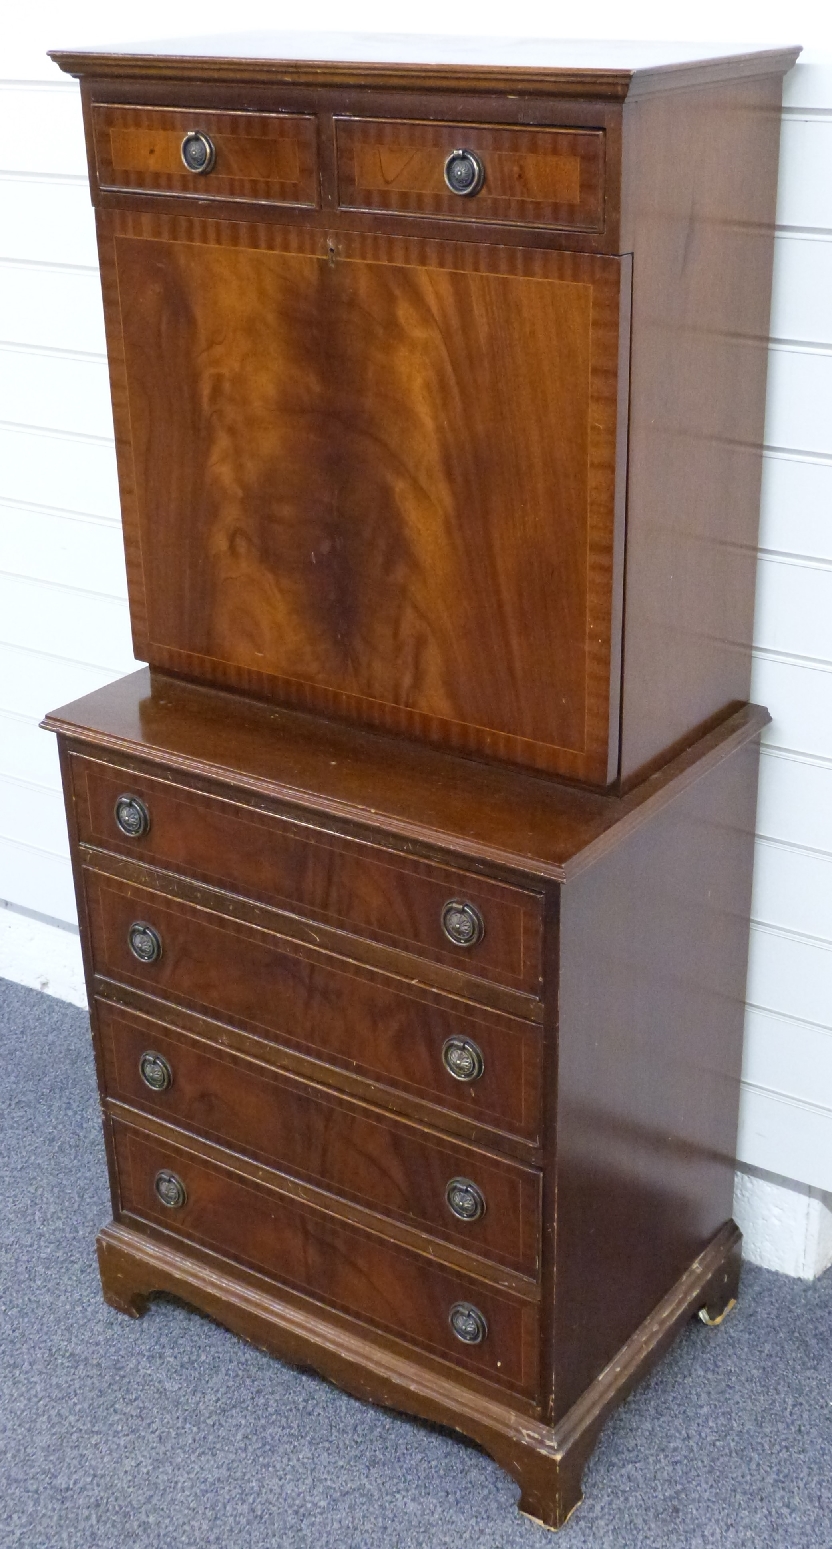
<point>340,1265</point>
<point>346,883</point>
<point>260,157</point>
<point>368,1023</point>
<point>528,177</point>
<point>487,1205</point>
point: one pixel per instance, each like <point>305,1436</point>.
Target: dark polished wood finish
<point>322,1136</point>
<point>339,880</point>
<point>257,156</point>
<point>533,177</point>
<point>310,1117</point>
<point>377,442</point>
<point>343,531</point>
<point>386,1027</point>
<point>414,875</point>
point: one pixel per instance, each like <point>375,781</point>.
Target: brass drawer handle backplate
<point>468,1323</point>
<point>198,151</point>
<point>464,173</point>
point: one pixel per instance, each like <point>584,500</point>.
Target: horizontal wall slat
<point>27,753</point>
<point>41,468</point>
<point>47,220</point>
<point>801,302</point>
<point>808,85</point>
<point>54,308</point>
<point>33,811</point>
<point>61,549</point>
<point>33,879</point>
<point>782,1055</point>
<point>793,889</point>
<point>55,392</point>
<point>799,696</point>
<point>805,188</point>
<point>795,800</point>
<point>785,1137</point>
<point>42,131</point>
<point>796,510</point>
<point>32,683</point>
<point>799,400</point>
<point>87,627</point>
<point>791,975</point>
<point>794,607</point>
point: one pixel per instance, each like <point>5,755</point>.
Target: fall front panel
<point>373,476</point>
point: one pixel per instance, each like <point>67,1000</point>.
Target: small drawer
<point>472,172</point>
<point>310,1251</point>
<point>346,883</point>
<point>426,1180</point>
<point>445,1051</point>
<point>261,157</point>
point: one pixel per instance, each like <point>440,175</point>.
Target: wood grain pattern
<point>350,1147</point>
<point>698,213</point>
<point>473,812</point>
<point>595,70</point>
<point>374,459</point>
<point>532,177</point>
<point>259,156</point>
<point>312,1251</point>
<point>347,883</point>
<point>311,525</point>
<point>384,1028</point>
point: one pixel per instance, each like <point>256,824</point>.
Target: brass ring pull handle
<point>464,173</point>
<point>155,1071</point>
<point>462,923</point>
<point>170,1190</point>
<point>463,1059</point>
<point>132,817</point>
<point>144,942</point>
<point>468,1323</point>
<point>198,151</point>
<point>465,1200</point>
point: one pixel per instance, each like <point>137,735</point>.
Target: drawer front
<point>347,884</point>
<point>369,1023</point>
<point>361,1153</point>
<point>260,157</point>
<point>529,177</point>
<point>308,1250</point>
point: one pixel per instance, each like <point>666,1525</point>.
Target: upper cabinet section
<point>425,356</point>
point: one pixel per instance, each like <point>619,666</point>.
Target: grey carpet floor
<point>169,1433</point>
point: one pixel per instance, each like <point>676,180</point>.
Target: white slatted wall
<point>63,615</point>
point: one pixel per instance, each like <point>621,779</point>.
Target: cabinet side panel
<point>700,177</point>
<point>654,943</point>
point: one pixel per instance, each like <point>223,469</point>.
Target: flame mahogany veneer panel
<point>371,1023</point>
<point>357,1150</point>
<point>373,476</point>
<point>351,884</point>
<point>309,1250</point>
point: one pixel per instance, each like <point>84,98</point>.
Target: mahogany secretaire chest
<point>414,872</point>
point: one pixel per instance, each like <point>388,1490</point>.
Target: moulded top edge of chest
<point>562,67</point>
<point>478,812</point>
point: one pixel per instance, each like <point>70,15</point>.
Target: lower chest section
<point>321,1059</point>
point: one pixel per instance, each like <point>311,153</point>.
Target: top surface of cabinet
<point>590,67</point>
<point>391,447</point>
